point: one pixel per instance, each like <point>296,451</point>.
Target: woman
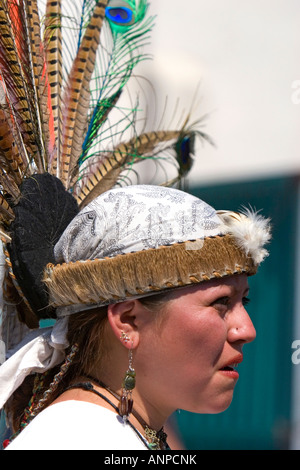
<point>149,286</point>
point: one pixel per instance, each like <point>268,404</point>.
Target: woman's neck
<point>143,411</point>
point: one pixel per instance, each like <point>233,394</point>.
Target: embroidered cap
<point>135,241</point>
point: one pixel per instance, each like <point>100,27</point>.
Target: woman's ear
<point>122,319</point>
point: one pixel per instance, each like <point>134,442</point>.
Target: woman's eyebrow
<point>234,290</point>
<point>247,290</point>
<point>226,289</point>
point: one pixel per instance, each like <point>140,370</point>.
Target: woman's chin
<point>221,405</point>
<point>215,406</point>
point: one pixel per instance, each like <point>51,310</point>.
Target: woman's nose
<point>242,328</point>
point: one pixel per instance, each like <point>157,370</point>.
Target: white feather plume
<point>251,231</point>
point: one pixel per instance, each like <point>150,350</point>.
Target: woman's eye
<point>224,304</point>
<point>224,301</point>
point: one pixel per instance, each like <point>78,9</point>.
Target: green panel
<point>259,415</point>
<point>46,323</point>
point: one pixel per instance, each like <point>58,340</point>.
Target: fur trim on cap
<point>103,281</point>
<point>250,230</point>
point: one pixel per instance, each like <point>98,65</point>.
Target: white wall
<point>247,56</point>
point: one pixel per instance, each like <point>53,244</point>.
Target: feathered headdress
<point>63,68</point>
<point>66,138</point>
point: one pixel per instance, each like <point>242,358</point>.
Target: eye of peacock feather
<point>120,13</point>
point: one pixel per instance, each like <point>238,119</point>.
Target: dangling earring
<point>126,401</point>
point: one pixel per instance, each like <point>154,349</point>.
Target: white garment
<point>77,425</point>
<point>41,349</point>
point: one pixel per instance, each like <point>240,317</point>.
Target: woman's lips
<point>230,368</point>
<point>230,372</point>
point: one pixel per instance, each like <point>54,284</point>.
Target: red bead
<point>5,443</point>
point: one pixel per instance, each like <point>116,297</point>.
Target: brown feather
<point>40,81</point>
<point>10,156</point>
<point>103,176</point>
<point>17,86</point>
<point>6,211</point>
<point>77,95</point>
<point>53,50</point>
<point>8,185</point>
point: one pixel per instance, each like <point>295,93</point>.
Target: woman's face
<point>193,355</point>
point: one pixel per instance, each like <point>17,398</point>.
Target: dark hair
<point>85,329</point>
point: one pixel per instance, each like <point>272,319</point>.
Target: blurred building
<point>245,56</point>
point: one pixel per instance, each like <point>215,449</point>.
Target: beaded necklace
<point>153,440</point>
